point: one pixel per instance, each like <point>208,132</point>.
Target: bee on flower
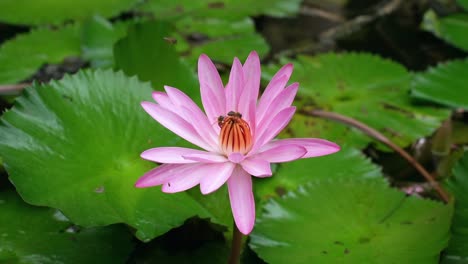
<point>241,144</point>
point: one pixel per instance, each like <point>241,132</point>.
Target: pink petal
<point>283,153</point>
<point>234,87</point>
<point>162,99</point>
<point>192,114</point>
<point>279,122</point>
<point>257,167</point>
<point>170,154</point>
<point>175,123</point>
<point>249,96</point>
<point>211,88</point>
<point>236,157</point>
<point>215,177</point>
<point>314,146</point>
<point>276,85</point>
<point>206,157</point>
<point>242,200</point>
<point>162,174</point>
<point>185,180</point>
<point>282,101</point>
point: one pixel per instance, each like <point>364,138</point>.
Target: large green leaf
<point>224,38</point>
<point>75,145</point>
<point>463,3</point>
<point>348,163</point>
<point>27,12</point>
<point>224,8</point>
<point>225,49</point>
<point>145,53</point>
<point>457,252</point>
<point>22,56</point>
<point>351,221</point>
<point>444,84</point>
<point>43,235</point>
<point>98,39</point>
<point>362,86</point>
<point>451,28</point>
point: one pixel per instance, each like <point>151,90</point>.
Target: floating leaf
<point>457,252</point>
<point>75,145</point>
<point>351,221</point>
<point>98,39</point>
<point>33,12</point>
<point>22,56</point>
<point>221,39</point>
<point>224,8</point>
<point>451,28</point>
<point>352,164</point>
<point>225,49</point>
<point>444,84</point>
<point>463,3</point>
<point>43,235</point>
<point>365,87</point>
<point>145,53</point>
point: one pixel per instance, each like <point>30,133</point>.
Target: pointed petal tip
<point>246,230</point>
<point>253,55</point>
<point>146,105</point>
<point>141,184</point>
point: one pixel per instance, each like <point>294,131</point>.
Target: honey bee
<point>231,116</point>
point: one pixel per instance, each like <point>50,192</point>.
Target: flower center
<point>235,135</point>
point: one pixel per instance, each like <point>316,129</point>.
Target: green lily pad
<point>31,234</point>
<point>451,28</point>
<point>22,56</point>
<point>351,221</point>
<point>224,8</point>
<point>362,86</point>
<point>289,176</point>
<point>457,251</point>
<point>75,145</point>
<point>225,49</point>
<point>463,3</point>
<point>145,53</point>
<point>444,84</point>
<point>35,12</point>
<point>98,39</point>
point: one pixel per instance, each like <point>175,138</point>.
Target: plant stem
<point>380,137</point>
<point>12,88</point>
<point>236,246</point>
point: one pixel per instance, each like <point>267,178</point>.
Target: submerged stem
<point>236,246</point>
<point>380,137</point>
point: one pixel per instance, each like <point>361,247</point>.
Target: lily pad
<point>31,234</point>
<point>362,86</point>
<point>351,221</point>
<point>224,49</point>
<point>463,3</point>
<point>144,52</point>
<point>457,252</point>
<point>75,145</point>
<point>224,8</point>
<point>451,28</point>
<point>34,12</point>
<point>289,176</point>
<point>98,39</point>
<point>22,56</point>
<point>444,84</point>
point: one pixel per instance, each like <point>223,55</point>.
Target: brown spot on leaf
<point>216,5</point>
<point>170,40</point>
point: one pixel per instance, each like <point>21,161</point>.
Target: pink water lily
<point>236,133</point>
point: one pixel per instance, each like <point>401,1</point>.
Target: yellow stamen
<point>235,135</point>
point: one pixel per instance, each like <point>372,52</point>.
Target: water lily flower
<point>236,132</point>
